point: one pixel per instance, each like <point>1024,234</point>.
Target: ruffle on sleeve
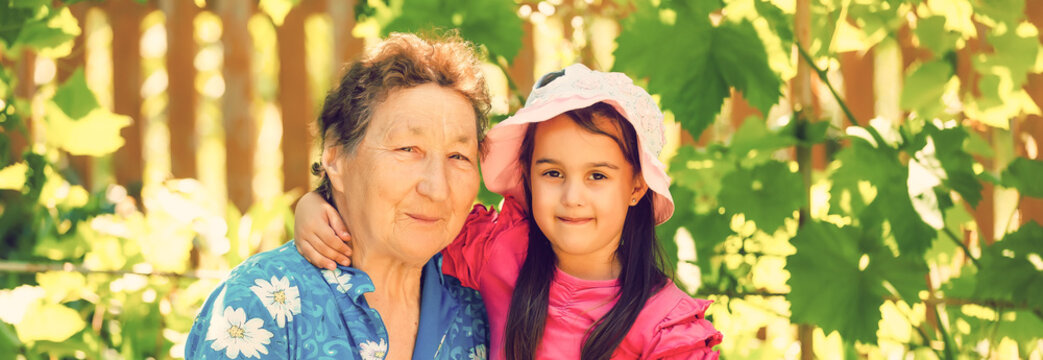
<point>685,333</point>
<point>465,257</point>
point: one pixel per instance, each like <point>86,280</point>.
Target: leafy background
<point>822,224</point>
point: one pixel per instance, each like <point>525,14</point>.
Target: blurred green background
<point>853,178</point>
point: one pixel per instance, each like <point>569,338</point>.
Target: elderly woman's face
<point>409,185</point>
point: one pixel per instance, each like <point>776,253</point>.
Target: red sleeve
<point>685,334</point>
<point>465,256</point>
<point>484,230</point>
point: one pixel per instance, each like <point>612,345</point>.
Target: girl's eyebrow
<point>593,165</point>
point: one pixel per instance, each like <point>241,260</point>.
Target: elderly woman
<point>401,134</point>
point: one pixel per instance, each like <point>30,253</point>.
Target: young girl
<point>570,267</point>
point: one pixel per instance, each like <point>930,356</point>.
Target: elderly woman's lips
<point>574,221</point>
<point>424,218</point>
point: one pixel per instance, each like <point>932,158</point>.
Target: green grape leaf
<point>958,164</point>
<point>911,233</point>
<point>52,35</point>
<point>74,97</point>
<point>1024,327</point>
<point>715,58</point>
<point>12,177</point>
<point>1006,271</point>
<point>827,288</point>
<point>905,273</point>
<point>743,62</point>
<point>860,161</point>
<point>13,19</point>
<point>977,145</point>
<point>1007,11</point>
<point>767,194</point>
<point>490,23</point>
<point>754,135</point>
<point>1014,53</point>
<point>49,322</point>
<point>700,171</point>
<point>924,87</point>
<point>708,231</point>
<point>933,35</point>
<point>96,134</point>
<point>61,286</point>
<point>781,23</point>
<point>1025,174</point>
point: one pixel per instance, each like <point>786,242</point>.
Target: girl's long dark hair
<point>639,254</point>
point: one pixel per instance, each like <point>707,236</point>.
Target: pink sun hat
<point>579,87</point>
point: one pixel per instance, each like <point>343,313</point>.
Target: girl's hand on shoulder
<point>322,238</point>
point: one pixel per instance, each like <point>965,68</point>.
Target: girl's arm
<point>321,235</point>
<point>322,238</point>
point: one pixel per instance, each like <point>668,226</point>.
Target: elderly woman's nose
<point>434,179</point>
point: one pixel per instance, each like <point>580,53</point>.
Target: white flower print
<point>370,350</point>
<point>477,352</point>
<point>339,278</point>
<point>282,300</point>
<point>232,332</point>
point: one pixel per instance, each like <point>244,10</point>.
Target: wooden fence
<point>858,77</point>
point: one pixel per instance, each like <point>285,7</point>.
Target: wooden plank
<point>125,19</point>
<point>295,98</point>
<point>857,71</point>
<point>522,69</point>
<point>240,128</point>
<point>181,91</point>
<point>1031,126</point>
<point>24,88</point>
<point>345,46</point>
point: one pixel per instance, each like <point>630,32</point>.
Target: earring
<point>633,201</point>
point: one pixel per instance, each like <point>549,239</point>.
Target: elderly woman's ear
<point>332,166</point>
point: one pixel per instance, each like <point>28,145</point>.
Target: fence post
<point>1032,125</point>
<point>181,89</point>
<point>125,18</point>
<point>295,100</point>
<point>25,87</point>
<point>345,45</point>
<point>857,71</point>
<point>240,127</point>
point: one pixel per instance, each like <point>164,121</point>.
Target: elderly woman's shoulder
<point>283,261</point>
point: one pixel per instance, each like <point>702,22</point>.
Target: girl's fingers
<point>337,224</point>
<point>334,243</point>
<point>313,256</point>
<point>330,247</point>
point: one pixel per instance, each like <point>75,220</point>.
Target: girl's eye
<point>552,173</point>
<point>598,176</point>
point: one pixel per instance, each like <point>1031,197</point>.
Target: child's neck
<point>588,267</point>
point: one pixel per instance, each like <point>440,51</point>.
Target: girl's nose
<point>572,193</point>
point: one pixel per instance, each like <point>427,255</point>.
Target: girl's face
<point>582,187</point>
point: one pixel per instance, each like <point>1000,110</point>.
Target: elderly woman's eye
<point>459,157</point>
<point>406,149</point>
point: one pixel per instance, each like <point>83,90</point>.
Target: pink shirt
<point>488,255</point>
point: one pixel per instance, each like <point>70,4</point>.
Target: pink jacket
<point>488,255</point>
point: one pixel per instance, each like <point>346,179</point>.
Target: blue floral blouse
<point>275,305</point>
